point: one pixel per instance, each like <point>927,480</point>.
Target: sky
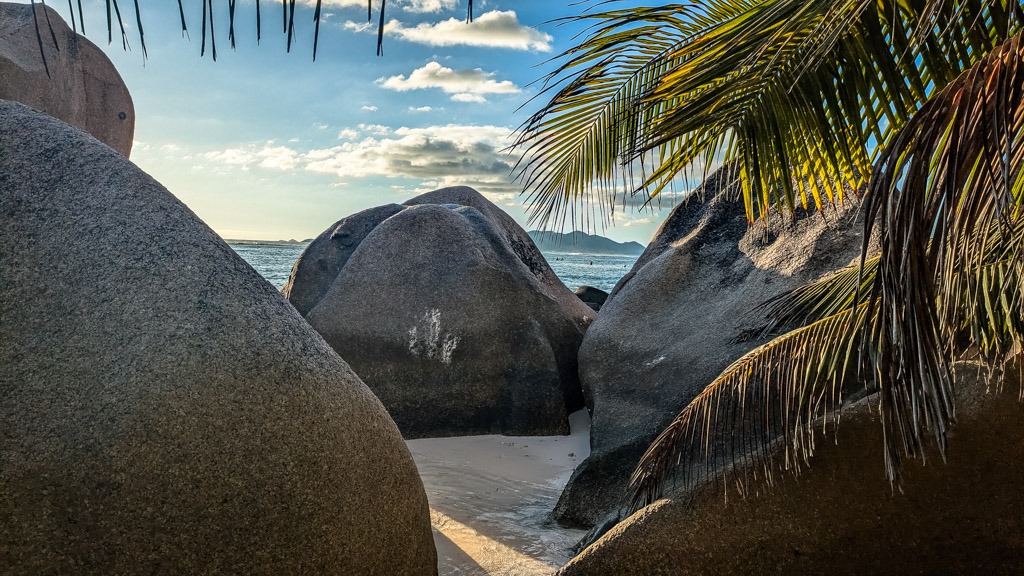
<point>264,144</point>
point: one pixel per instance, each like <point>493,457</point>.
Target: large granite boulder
<point>670,325</point>
<point>449,313</point>
<point>83,87</point>
<point>841,516</point>
<point>164,410</point>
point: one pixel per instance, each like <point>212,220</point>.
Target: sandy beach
<point>490,497</point>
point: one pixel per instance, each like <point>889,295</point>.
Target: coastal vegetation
<point>915,106</point>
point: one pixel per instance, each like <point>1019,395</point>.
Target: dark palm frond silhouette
<point>113,13</point>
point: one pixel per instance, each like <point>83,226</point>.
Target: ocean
<point>274,260</point>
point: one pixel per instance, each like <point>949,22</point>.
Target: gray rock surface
<point>840,516</point>
<point>83,89</point>
<point>164,410</point>
<point>667,329</point>
<point>592,297</point>
<point>449,313</point>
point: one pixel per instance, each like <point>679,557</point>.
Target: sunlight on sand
<point>491,556</point>
<point>490,497</point>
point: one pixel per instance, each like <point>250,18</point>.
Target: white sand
<point>490,497</point>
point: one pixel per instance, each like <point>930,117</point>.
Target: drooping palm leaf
<point>781,388</point>
<point>799,92</point>
<point>288,23</point>
<point>947,193</point>
<point>947,198</point>
<point>813,301</point>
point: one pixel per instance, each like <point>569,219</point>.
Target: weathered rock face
<point>449,313</point>
<point>163,409</point>
<point>840,516</point>
<point>83,88</point>
<point>592,297</point>
<point>667,329</point>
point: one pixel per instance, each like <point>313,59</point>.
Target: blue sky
<point>265,144</point>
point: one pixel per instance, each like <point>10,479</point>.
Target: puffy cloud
<point>464,85</point>
<point>435,155</point>
<point>476,98</point>
<point>347,134</point>
<point>420,108</point>
<point>428,153</point>
<point>337,3</point>
<point>375,129</point>
<point>428,5</point>
<point>494,29</point>
<point>266,155</point>
<point>369,108</point>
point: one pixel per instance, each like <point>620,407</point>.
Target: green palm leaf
<point>799,92</point>
<point>781,388</point>
<point>946,195</point>
<point>948,200</point>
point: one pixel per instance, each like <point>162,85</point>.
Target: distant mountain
<point>582,242</point>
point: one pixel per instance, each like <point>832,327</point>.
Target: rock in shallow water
<point>451,315</point>
<point>162,408</point>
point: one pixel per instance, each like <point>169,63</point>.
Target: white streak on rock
<point>434,343</point>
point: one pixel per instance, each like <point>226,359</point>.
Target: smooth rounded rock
<point>449,313</point>
<point>83,88</point>
<point>163,409</point>
<point>671,325</point>
<point>840,515</point>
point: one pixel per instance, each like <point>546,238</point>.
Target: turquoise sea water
<point>274,261</point>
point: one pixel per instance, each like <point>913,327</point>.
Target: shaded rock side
<point>83,87</point>
<point>592,297</point>
<point>449,313</point>
<point>668,327</point>
<point>164,410</point>
<point>840,515</point>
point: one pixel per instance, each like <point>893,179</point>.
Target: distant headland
<point>583,242</point>
<point>292,241</point>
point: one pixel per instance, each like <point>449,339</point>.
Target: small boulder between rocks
<point>593,297</point>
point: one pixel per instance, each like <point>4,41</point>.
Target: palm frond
<point>287,27</point>
<point>946,194</point>
<point>948,201</point>
<point>799,92</point>
<point>781,388</point>
<point>813,301</point>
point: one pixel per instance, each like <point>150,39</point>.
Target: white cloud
<point>347,134</point>
<point>369,108</point>
<point>428,5</point>
<point>494,29</point>
<point>464,85</point>
<point>375,129</point>
<point>469,98</point>
<point>435,156</point>
<point>266,155</point>
<point>420,108</point>
<point>336,3</point>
